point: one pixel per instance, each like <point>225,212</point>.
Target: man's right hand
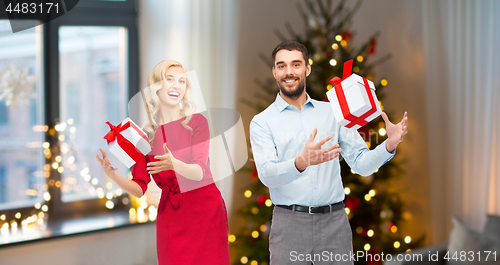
<point>313,154</point>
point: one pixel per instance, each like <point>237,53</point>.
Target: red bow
<point>173,194</point>
<point>126,145</point>
<point>115,131</point>
<point>339,91</point>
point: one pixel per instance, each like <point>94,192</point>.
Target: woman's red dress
<point>191,226</point>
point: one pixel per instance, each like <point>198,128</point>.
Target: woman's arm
<point>127,185</point>
<point>169,162</point>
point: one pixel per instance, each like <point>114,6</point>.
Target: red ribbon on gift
<point>126,145</point>
<point>339,91</point>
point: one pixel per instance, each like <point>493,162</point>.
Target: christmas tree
<point>374,212</point>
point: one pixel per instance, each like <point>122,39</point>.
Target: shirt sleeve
<point>140,174</point>
<point>200,143</point>
<point>358,156</point>
<point>271,171</point>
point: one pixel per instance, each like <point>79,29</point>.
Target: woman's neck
<point>169,114</point>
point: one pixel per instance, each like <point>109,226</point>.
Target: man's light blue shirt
<point>278,135</point>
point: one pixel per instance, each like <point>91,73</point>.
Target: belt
<point>315,209</point>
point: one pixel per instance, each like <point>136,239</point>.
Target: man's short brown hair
<point>292,45</point>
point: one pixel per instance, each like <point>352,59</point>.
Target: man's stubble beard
<point>295,93</point>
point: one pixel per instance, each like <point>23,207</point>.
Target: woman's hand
<point>106,165</point>
<point>166,162</point>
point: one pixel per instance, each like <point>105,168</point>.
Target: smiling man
<point>296,143</point>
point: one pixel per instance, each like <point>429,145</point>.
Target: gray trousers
<point>302,238</point>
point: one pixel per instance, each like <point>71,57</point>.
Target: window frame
<point>86,13</point>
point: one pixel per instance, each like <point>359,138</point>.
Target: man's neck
<point>298,102</point>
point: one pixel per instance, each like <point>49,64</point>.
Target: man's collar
<point>281,104</point>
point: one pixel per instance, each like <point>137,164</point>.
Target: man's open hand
<point>395,132</point>
<point>313,154</point>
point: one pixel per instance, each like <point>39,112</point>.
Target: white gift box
<point>128,142</point>
<point>358,105</point>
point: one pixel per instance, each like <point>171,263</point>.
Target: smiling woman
<point>192,219</point>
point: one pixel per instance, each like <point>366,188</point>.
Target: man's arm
<point>271,172</point>
<point>365,161</point>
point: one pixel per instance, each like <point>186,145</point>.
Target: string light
<point>397,244</point>
<point>371,192</point>
<point>255,210</point>
<point>132,211</point>
<point>231,238</point>
<point>370,233</point>
<point>367,247</point>
<point>254,262</point>
<point>269,203</point>
<point>394,229</point>
<point>110,205</point>
<point>95,181</point>
<point>338,38</point>
<point>383,82</point>
<point>343,43</point>
<point>368,197</point>
<point>347,190</point>
<point>335,46</point>
<point>347,210</point>
<point>311,61</point>
<point>255,234</point>
<point>359,58</point>
<point>248,193</point>
<point>368,144</point>
<point>13,227</point>
<point>333,62</point>
<point>382,131</point>
<point>359,229</point>
<point>244,260</point>
<point>355,69</point>
<point>263,228</point>
<point>407,239</point>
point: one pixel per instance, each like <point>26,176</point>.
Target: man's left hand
<point>395,132</point>
<point>166,162</point>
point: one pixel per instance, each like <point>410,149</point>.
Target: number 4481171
<point>32,8</point>
<point>471,256</point>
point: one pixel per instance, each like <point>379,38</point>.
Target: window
<point>92,91</point>
<point>3,114</point>
<point>3,185</point>
<point>21,114</point>
<point>78,72</point>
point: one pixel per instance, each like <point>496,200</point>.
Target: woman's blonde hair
<point>156,82</point>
